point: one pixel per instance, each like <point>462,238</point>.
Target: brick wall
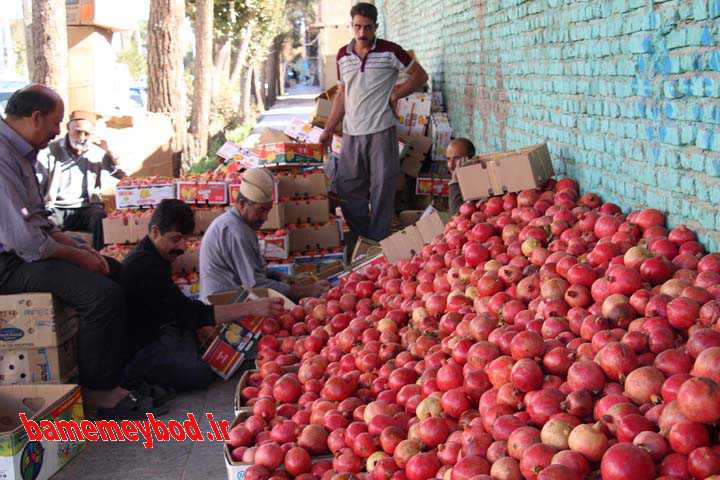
<point>625,92</point>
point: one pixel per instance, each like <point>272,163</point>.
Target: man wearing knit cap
<point>230,252</point>
<point>71,172</point>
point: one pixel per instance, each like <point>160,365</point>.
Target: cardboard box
<point>441,134</point>
<point>203,193</point>
<point>37,460</point>
<point>315,237</point>
<point>229,150</point>
<point>363,248</point>
<point>239,404</point>
<point>275,247</point>
<point>417,149</point>
<point>323,106</point>
<point>414,113</point>
<point>229,349</point>
<point>274,154</point>
<point>305,184</point>
<point>276,217</point>
<point>204,218</point>
<point>287,269</point>
<point>404,244</point>
<point>32,320</point>
<point>144,196</point>
<point>307,211</point>
<point>39,365</point>
<point>91,68</point>
<point>439,187</point>
<point>511,171</point>
<point>409,217</point>
<point>109,14</point>
<point>125,230</point>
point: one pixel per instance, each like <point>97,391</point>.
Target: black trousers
<point>173,360</point>
<point>83,219</point>
<point>98,300</point>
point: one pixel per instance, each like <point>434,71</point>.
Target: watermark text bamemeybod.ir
<point>147,431</point>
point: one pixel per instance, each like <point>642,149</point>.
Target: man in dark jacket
<point>162,320</point>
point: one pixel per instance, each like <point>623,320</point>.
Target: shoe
<point>132,407</point>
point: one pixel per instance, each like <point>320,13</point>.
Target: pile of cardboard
<point>511,171</point>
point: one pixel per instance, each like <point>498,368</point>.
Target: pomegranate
<point>624,461</point>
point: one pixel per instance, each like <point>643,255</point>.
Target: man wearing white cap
<point>230,252</point>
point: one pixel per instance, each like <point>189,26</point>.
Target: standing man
<point>35,256</point>
<point>230,254</point>
<point>74,167</point>
<point>365,102</point>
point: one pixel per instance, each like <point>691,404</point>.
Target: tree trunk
<point>259,90</point>
<point>221,66</point>
<point>166,90</point>
<point>202,84</point>
<point>49,57</point>
<point>27,23</point>
<point>247,93</point>
<point>242,55</point>
<point>271,76</point>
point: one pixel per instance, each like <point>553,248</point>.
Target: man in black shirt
<point>162,320</point>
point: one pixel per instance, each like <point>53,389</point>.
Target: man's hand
<point>100,142</point>
<point>266,307</point>
<point>91,261</point>
<point>394,97</point>
<point>326,137</point>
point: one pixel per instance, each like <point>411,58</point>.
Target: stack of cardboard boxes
<point>38,357</point>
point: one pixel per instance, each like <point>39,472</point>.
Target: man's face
<point>169,245</point>
<point>46,127</point>
<point>79,132</point>
<point>455,152</point>
<point>363,29</point>
<point>254,214</point>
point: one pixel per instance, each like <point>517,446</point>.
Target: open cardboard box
<point>511,171</point>
<point>276,217</point>
<point>408,241</point>
<point>204,217</point>
<point>21,458</point>
<point>203,193</point>
<point>229,349</point>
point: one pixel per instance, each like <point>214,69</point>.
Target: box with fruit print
<point>274,245</point>
<point>276,154</point>
<point>202,192</point>
<point>23,458</point>
<point>143,192</point>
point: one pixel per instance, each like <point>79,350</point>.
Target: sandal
<point>132,407</point>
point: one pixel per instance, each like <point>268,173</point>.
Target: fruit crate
<point>240,405</point>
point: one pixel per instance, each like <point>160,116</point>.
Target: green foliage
<point>135,56</point>
<point>210,162</point>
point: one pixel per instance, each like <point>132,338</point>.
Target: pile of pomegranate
<point>544,336</point>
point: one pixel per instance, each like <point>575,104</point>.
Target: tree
<point>27,23</point>
<point>166,88</point>
<point>202,84</point>
<point>49,57</point>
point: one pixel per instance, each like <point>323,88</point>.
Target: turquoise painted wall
<point>625,92</point>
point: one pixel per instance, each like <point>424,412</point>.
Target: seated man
<point>73,167</point>
<point>230,252</point>
<point>35,256</point>
<point>163,320</point>
<point>458,151</point>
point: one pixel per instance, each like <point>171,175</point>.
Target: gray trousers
<point>366,181</point>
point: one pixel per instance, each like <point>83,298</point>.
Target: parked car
<point>138,96</point>
<point>7,88</point>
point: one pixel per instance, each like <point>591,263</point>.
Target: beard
<point>79,146</point>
